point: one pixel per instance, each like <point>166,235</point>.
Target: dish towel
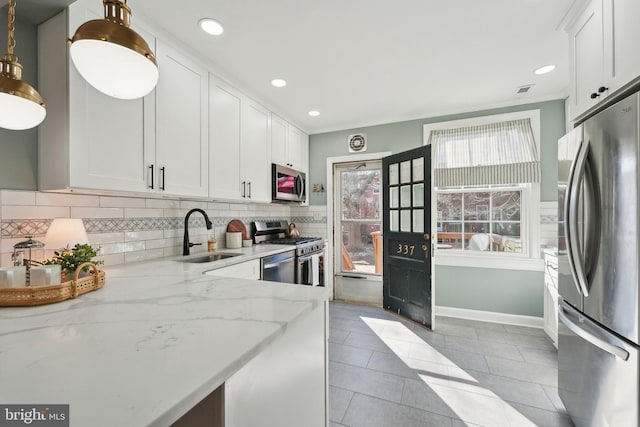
<point>315,270</point>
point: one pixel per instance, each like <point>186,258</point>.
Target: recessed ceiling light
<point>279,82</point>
<point>544,70</point>
<point>314,113</point>
<point>211,26</point>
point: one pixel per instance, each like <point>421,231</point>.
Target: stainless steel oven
<point>308,264</point>
<point>279,267</point>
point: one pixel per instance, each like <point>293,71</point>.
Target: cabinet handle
<point>152,173</point>
<point>244,189</point>
<point>601,89</point>
<point>163,178</point>
<point>249,196</point>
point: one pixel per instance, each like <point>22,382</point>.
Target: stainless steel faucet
<point>186,244</point>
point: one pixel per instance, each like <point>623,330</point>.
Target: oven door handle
<point>276,264</point>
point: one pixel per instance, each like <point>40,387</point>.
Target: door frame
<point>331,161</point>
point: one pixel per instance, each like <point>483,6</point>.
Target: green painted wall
<point>19,149</point>
<point>401,136</point>
<point>502,291</point>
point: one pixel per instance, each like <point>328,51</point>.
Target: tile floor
<point>390,372</point>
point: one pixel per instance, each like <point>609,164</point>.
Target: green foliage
<point>70,259</point>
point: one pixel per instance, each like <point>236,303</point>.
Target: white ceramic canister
<point>234,239</point>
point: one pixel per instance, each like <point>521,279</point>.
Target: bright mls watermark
<point>34,415</point>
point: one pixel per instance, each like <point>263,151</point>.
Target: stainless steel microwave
<point>288,185</point>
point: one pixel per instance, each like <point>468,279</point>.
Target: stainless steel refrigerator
<point>599,263</point>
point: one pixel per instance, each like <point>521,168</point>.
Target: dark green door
<point>406,234</point>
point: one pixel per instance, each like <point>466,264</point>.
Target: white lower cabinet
<point>285,385</point>
<point>245,270</point>
<point>551,295</point>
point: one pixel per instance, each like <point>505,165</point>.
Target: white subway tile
<point>105,238</point>
<point>162,203</point>
<point>14,197</point>
<point>143,255</point>
<point>78,212</point>
<point>59,199</point>
<point>122,202</point>
<point>33,212</point>
<point>218,205</point>
<point>191,204</point>
<point>173,213</point>
<point>142,213</point>
<point>143,235</point>
<point>111,248</point>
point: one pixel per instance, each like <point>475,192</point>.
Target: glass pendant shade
<point>21,106</point>
<point>112,57</point>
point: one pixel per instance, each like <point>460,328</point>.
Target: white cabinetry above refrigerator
<point>603,48</point>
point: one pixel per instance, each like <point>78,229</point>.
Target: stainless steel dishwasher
<point>279,268</point>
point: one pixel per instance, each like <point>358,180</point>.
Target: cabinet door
<point>587,57</point>
<point>108,146</point>
<point>295,147</point>
<point>279,133</point>
<point>245,270</point>
<point>622,35</point>
<point>225,106</point>
<point>181,124</point>
<point>256,150</point>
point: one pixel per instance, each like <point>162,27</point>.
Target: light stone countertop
<point>157,339</point>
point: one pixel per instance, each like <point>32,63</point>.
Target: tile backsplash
<point>127,229</point>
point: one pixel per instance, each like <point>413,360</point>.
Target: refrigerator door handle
<point>601,344</point>
<point>571,214</point>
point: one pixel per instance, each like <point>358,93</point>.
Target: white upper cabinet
<point>622,61</point>
<point>603,51</point>
<point>279,135</point>
<point>256,152</point>
<point>287,144</point>
<point>89,140</point>
<point>239,145</point>
<point>182,153</point>
<point>225,104</point>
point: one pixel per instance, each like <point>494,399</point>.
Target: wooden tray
<point>37,295</point>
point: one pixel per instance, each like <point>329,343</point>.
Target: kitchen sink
<point>208,258</point>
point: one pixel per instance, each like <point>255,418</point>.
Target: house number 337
<point>405,249</point>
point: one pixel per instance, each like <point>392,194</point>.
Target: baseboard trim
<point>490,316</point>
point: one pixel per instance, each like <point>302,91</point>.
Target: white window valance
<point>494,153</point>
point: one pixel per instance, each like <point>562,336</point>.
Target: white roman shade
<point>487,154</point>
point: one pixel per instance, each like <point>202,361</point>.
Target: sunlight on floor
<point>462,393</point>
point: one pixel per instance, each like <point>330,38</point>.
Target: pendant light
<point>21,106</point>
<point>112,57</point>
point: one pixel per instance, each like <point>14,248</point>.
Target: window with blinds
<point>487,154</point>
<point>484,170</point>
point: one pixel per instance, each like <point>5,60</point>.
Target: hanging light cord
<point>11,41</point>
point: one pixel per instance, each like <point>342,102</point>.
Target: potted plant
<point>70,259</point>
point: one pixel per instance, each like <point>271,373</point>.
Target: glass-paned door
<point>359,217</point>
<point>407,287</point>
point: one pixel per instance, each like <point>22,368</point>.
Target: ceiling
<point>364,62</point>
